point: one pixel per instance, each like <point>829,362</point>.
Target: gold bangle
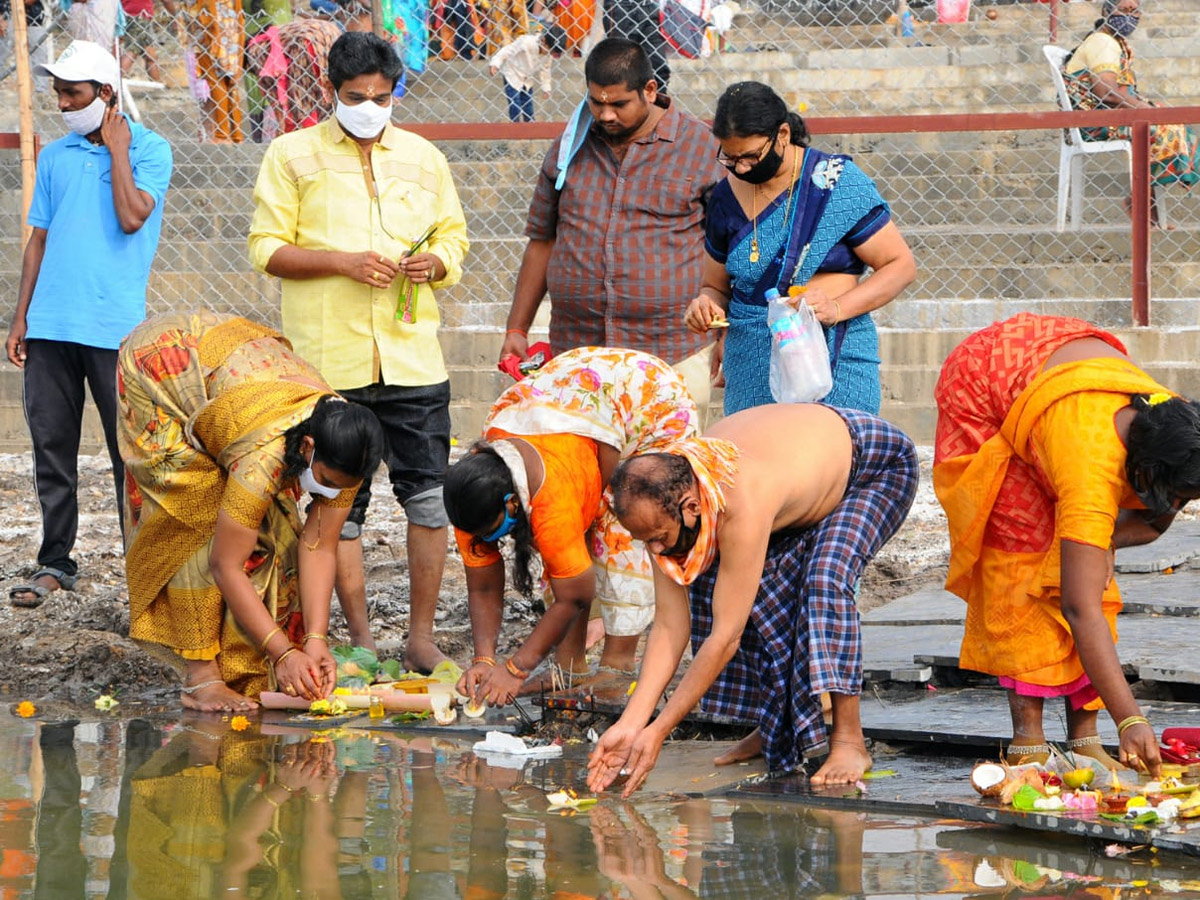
<point>514,671</point>
<point>1127,723</point>
<point>282,656</point>
<point>313,636</point>
<point>279,783</point>
<point>838,310</point>
<point>270,634</point>
<point>487,660</point>
<point>267,797</point>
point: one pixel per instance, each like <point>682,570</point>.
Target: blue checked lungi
<point>803,635</point>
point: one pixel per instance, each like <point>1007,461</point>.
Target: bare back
<point>794,464</point>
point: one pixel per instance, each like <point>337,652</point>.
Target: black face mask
<point>763,170</point>
<point>686,539</point>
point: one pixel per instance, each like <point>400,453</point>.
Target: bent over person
<point>552,442</point>
<point>763,526</point>
<point>1034,521</point>
<point>222,427</point>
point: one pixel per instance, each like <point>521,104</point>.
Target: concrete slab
<point>1160,594</point>
<point>1178,546</point>
<point>687,768</point>
<point>933,606</point>
<point>939,785</point>
<point>977,718</point>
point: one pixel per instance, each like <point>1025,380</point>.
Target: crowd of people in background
<point>256,68</point>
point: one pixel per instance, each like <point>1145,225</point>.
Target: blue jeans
<point>520,104</point>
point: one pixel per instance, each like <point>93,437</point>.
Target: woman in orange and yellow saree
<point>222,427</point>
<point>1053,449</point>
<point>540,476</point>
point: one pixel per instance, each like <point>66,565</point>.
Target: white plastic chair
<point>1074,148</point>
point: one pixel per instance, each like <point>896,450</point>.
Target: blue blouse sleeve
<point>721,221</point>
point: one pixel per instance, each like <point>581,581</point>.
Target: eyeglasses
<point>731,162</point>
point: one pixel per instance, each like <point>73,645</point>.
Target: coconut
<point>988,778</point>
<point>443,712</point>
<point>474,710</point>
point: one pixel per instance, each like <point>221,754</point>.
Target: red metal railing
<point>1139,121</point>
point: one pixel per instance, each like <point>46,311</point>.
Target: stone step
<point>931,346</point>
<point>1177,320</point>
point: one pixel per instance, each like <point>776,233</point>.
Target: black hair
<point>662,478</point>
<point>619,61</point>
<point>346,436</point>
<point>751,108</point>
<point>554,38</point>
<point>1107,8</point>
<point>362,53</point>
<point>474,492</point>
<point>1162,460</point>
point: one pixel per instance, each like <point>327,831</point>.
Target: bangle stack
<point>282,656</point>
<point>514,671</point>
<point>486,660</point>
<point>1128,722</point>
<point>314,636</point>
<point>270,634</point>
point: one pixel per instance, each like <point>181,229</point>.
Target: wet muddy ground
<point>76,645</point>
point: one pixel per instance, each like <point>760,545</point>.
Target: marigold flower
<point>239,723</point>
<point>25,709</point>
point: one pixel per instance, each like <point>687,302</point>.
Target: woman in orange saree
<point>1052,449</point>
<point>552,442</point>
<point>221,427</point>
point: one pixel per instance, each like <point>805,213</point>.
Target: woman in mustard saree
<point>221,427</point>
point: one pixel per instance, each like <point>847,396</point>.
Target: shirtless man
<point>814,491</point>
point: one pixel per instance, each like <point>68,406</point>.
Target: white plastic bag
<point>799,355</point>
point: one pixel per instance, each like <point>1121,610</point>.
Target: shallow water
<point>146,808</point>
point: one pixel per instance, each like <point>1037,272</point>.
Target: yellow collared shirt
<point>314,192</point>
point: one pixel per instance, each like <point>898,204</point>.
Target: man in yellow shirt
<point>362,222</point>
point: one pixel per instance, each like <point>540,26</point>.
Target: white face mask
<point>308,482</point>
<point>363,120</point>
<point>85,121</point>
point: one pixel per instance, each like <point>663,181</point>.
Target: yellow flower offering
<point>239,723</point>
<point>25,709</point>
<point>105,702</point>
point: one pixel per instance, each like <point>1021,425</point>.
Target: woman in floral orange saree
<point>552,441</point>
<point>221,427</point>
<point>1052,449</point>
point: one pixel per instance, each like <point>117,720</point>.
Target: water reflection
<point>153,809</point>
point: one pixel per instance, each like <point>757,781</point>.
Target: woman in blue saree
<point>793,216</point>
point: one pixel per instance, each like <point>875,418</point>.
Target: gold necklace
<point>754,207</point>
<point>317,543</point>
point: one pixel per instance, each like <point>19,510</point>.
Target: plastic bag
<point>356,666</point>
<point>799,355</point>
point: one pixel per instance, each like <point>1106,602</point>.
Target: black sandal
<point>40,591</point>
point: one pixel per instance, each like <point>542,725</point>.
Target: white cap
<point>83,61</point>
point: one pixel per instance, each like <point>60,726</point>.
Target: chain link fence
<point>978,208</point>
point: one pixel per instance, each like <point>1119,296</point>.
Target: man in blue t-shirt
<point>96,217</point>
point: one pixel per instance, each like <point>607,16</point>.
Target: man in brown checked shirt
<point>620,246</point>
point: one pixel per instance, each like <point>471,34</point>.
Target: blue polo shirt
<point>91,288</point>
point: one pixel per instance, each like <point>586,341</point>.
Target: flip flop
<point>65,582</point>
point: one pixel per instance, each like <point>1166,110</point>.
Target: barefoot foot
<point>215,696</point>
<point>748,747</point>
<point>846,763</point>
<point>422,655</point>
<point>1093,750</point>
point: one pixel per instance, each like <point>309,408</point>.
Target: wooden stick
<point>25,107</point>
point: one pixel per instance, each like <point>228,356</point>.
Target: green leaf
<point>879,773</point>
<point>1025,797</point>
